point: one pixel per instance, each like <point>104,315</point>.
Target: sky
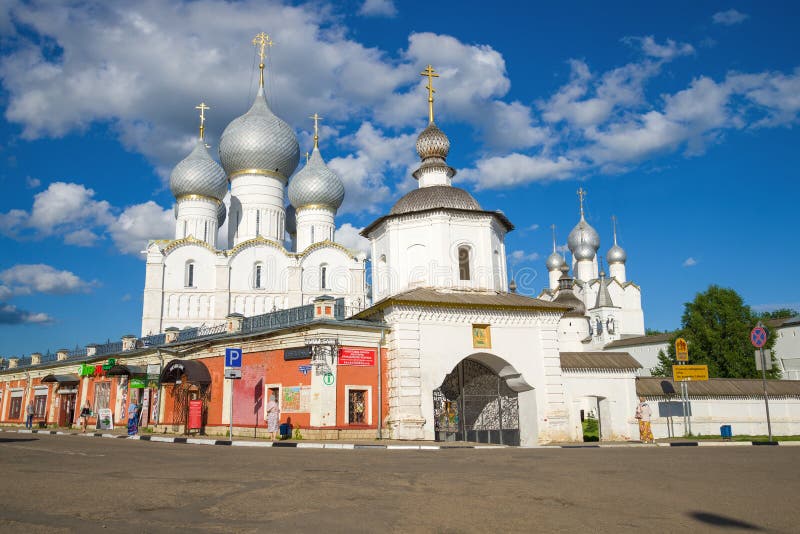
<point>680,119</point>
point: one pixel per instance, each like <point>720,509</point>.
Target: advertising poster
<point>356,356</point>
<point>195,414</point>
<point>105,419</point>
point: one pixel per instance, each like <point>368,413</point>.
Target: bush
<point>591,429</point>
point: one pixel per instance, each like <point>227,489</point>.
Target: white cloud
<point>520,256</point>
<point>348,236</point>
<point>729,17</point>
<point>11,315</point>
<point>518,169</point>
<point>40,278</point>
<point>689,262</point>
<point>378,8</point>
<point>32,183</point>
<point>667,51</point>
<point>70,211</point>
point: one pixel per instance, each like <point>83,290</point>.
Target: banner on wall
<point>356,356</point>
<point>105,419</point>
<point>195,414</point>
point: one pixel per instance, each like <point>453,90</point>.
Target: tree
<point>782,313</point>
<point>716,325</point>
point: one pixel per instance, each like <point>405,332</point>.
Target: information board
<point>357,356</point>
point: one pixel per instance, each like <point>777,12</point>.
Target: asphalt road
<point>72,484</point>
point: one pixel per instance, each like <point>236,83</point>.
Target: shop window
<point>102,395</point>
<point>39,405</point>
<point>16,408</point>
<point>463,263</point>
<point>357,406</point>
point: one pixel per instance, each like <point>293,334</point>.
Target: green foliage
<point>297,435</point>
<point>782,313</point>
<point>654,332</point>
<point>716,325</point>
<point>591,429</point>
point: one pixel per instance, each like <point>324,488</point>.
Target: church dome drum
<point>259,142</point>
<point>198,174</point>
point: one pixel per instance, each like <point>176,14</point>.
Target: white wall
<point>787,351</point>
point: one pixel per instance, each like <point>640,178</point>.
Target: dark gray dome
<point>198,174</point>
<point>259,140</point>
<point>316,185</point>
<point>435,196</point>
<point>222,213</point>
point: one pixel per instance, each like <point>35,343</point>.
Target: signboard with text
<point>357,356</point>
<point>691,373</point>
<point>195,414</point>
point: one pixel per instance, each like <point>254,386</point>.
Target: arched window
<point>257,276</point>
<point>463,262</point>
<point>189,279</point>
<point>323,276</point>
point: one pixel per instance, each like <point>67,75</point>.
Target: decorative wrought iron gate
<point>475,404</point>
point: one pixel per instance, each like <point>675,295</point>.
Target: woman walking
<point>86,411</point>
<point>133,419</point>
<point>643,414</point>
<point>273,416</point>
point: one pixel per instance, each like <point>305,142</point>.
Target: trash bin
<point>285,430</point>
<point>725,431</point>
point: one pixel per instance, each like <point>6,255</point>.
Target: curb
<point>353,446</point>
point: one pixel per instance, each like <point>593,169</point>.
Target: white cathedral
<point>190,281</point>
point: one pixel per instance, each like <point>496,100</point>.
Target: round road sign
<point>328,379</point>
<point>758,337</point>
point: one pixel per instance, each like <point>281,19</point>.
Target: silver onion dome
<point>584,252</point>
<point>583,234</point>
<point>259,141</point>
<point>555,261</point>
<point>291,220</point>
<point>316,185</point>
<point>198,174</point>
<point>616,254</point>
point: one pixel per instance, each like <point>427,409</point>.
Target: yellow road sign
<point>681,350</point>
<point>694,373</point>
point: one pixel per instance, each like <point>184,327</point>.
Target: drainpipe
<point>380,386</point>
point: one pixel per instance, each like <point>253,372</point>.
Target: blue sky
<point>680,119</point>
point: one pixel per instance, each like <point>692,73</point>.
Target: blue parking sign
<point>233,357</point>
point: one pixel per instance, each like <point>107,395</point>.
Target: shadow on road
<point>722,521</point>
<point>13,440</point>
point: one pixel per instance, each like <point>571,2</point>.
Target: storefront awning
<point>64,380</point>
<point>192,371</point>
<point>127,370</point>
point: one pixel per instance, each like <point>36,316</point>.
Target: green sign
<point>136,383</point>
<point>328,379</point>
<point>86,370</point>
<point>111,363</point>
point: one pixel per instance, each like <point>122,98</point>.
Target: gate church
<point>466,357</point>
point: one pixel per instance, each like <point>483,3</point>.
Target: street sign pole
<point>233,371</point>
<point>764,383</point>
<point>758,337</point>
<point>230,407</point>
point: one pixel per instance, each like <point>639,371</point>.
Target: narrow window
<point>463,263</point>
<point>357,409</point>
<point>312,234</point>
<point>16,408</point>
<point>205,231</point>
<point>323,277</point>
<point>102,393</point>
<point>39,404</point>
<point>190,274</point>
<point>185,228</point>
<point>258,222</point>
<point>257,276</point>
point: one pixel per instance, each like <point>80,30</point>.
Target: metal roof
<point>598,360</point>
<point>718,387</point>
<point>641,340</point>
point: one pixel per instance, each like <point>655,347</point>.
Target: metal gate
<point>475,404</point>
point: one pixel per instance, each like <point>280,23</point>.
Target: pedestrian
<point>133,419</point>
<point>273,416</point>
<point>29,415</point>
<point>86,411</point>
<point>643,414</point>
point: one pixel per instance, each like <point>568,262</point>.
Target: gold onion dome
<point>259,142</point>
<point>316,185</point>
<point>198,174</point>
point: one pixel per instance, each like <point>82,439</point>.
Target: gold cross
<point>581,196</point>
<point>202,107</point>
<point>261,41</point>
<point>316,118</point>
<point>431,74</point>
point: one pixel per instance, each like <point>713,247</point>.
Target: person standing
<point>273,416</point>
<point>29,415</point>
<point>86,411</point>
<point>133,419</point>
<point>643,414</point>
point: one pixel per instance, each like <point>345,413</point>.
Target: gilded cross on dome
<point>261,41</point>
<point>316,118</point>
<point>581,196</point>
<point>202,107</point>
<point>431,74</point>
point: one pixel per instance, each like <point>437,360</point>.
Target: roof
<point>61,379</point>
<point>784,321</point>
<point>641,340</point>
<point>598,360</point>
<point>718,387</point>
<point>463,299</point>
<point>194,371</point>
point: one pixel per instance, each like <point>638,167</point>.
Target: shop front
<point>66,395</point>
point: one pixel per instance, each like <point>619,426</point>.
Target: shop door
<point>475,404</point>
<point>66,410</point>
